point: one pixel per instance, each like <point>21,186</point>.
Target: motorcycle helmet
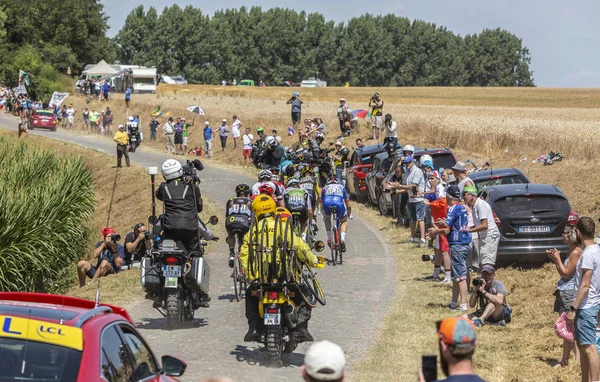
<point>308,170</point>
<point>344,152</point>
<point>265,175</point>
<point>292,182</point>
<point>320,137</point>
<point>425,158</point>
<point>300,158</point>
<point>273,144</point>
<point>293,157</point>
<point>283,214</point>
<point>390,147</point>
<point>263,205</point>
<point>172,169</point>
<point>410,148</point>
<point>130,118</point>
<point>266,189</point>
<point>242,189</point>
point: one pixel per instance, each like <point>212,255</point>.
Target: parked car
<point>495,177</point>
<point>374,179</point>
<point>531,219</point>
<point>246,83</point>
<point>361,163</point>
<point>44,119</point>
<point>441,157</point>
<point>48,337</point>
<point>179,80</point>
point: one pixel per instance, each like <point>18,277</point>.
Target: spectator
<point>122,139</point>
<point>247,146</point>
<point>339,157</point>
<point>71,115</point>
<point>585,308</point>
<point>63,113</point>
<point>565,289</point>
<point>376,105</point>
<point>488,235</point>
<point>489,295</point>
<point>128,97</point>
<point>94,116</point>
<point>110,256</point>
<point>223,134</point>
<point>359,143</point>
<point>436,199</point>
<point>135,244</point>
<point>153,128</point>
<point>86,120</point>
<point>320,126</point>
<point>390,126</point>
<point>394,184</point>
<point>458,240</point>
<point>234,82</point>
<point>324,361</point>
<point>277,137</point>
<point>106,91</point>
<point>456,342</point>
<point>344,114</point>
<point>169,135</point>
<point>224,83</point>
<point>209,134</point>
<point>236,128</point>
<point>185,133</point>
<point>296,103</point>
<point>460,172</point>
<point>108,121</point>
<point>178,128</point>
<point>414,184</point>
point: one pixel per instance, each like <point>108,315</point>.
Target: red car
<point>44,119</point>
<point>361,164</point>
<point>47,337</point>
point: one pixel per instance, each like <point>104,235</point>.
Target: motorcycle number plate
<point>171,270</point>
<point>171,282</point>
<point>272,318</point>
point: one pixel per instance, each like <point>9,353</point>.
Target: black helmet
<point>344,152</point>
<point>390,147</point>
<point>293,157</point>
<point>242,189</point>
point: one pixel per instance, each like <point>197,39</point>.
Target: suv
<point>440,157</point>
<point>374,179</point>
<point>483,179</point>
<point>47,337</point>
<point>360,165</point>
<point>531,219</point>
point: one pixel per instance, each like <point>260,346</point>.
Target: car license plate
<point>171,270</point>
<point>534,229</point>
<point>272,318</point>
<point>171,282</point>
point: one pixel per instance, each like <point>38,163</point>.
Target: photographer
<point>376,105</point>
<point>110,256</point>
<point>296,103</point>
<point>135,244</point>
<point>490,294</point>
<point>394,185</point>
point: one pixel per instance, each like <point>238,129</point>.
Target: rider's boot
<point>303,335</point>
<point>343,246</point>
<point>252,334</point>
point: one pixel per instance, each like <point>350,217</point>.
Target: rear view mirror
<point>172,366</point>
<point>152,219</point>
<point>319,246</point>
<point>213,220</point>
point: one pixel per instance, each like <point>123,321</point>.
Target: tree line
<point>279,44</point>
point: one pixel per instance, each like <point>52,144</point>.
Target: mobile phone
<point>429,366</point>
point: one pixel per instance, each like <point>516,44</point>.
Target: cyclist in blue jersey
<point>335,195</point>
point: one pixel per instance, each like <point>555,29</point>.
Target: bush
<point>46,204</point>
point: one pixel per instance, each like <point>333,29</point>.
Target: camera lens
<point>428,258</point>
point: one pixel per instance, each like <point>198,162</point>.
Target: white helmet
<point>268,139</point>
<point>410,148</point>
<point>265,175</point>
<point>172,169</point>
<point>130,118</point>
<point>424,158</point>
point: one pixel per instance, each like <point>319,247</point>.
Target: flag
<point>290,131</point>
<point>24,78</point>
<point>369,114</point>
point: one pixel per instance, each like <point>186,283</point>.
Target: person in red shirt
<point>436,198</point>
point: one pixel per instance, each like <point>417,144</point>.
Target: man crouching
<point>490,294</point>
<point>110,256</point>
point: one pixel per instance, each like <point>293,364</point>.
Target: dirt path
<point>358,293</point>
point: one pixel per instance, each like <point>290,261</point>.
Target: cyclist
<point>308,183</point>
<point>264,209</point>
<point>237,218</point>
<point>295,169</point>
<point>297,201</point>
<point>334,195</point>
<point>265,179</point>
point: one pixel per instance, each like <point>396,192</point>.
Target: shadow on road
<point>161,324</point>
<point>230,297</point>
<point>258,357</point>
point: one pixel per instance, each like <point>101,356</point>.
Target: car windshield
<point>368,159</point>
<point>23,360</point>
<point>529,205</point>
<point>445,160</point>
<point>511,179</point>
<point>45,113</point>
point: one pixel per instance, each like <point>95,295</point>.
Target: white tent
<point>101,69</point>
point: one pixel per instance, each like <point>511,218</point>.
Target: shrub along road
<point>358,292</point>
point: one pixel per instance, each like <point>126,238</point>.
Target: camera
<point>478,281</point>
<point>115,238</point>
<point>190,170</point>
<point>147,235</point>
<point>428,258</point>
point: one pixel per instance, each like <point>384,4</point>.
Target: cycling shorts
<point>337,203</point>
<point>302,216</point>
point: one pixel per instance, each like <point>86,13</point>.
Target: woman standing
<point>566,291</point>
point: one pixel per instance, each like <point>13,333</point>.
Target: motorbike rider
<point>307,182</point>
<point>314,149</point>
<point>264,209</point>
<point>334,195</point>
<point>273,156</point>
<point>265,179</point>
<point>134,134</point>
<point>238,216</point>
<point>297,201</point>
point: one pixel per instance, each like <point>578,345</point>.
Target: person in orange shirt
<point>436,198</point>
<point>122,140</point>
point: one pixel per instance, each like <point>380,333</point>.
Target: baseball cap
<point>325,361</point>
<point>460,166</point>
<point>107,231</point>
<point>435,174</point>
<point>470,190</point>
<point>296,93</point>
<point>453,191</point>
<point>488,268</point>
<point>224,120</point>
<point>428,164</point>
<point>408,159</point>
<point>206,123</point>
<point>121,127</point>
<point>456,331</point>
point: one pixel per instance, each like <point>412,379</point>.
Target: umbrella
<point>362,114</point>
<point>196,110</point>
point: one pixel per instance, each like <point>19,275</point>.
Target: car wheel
<point>382,205</point>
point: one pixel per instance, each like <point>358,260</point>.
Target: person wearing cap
<point>391,130</point>
<point>344,114</point>
<point>460,172</point>
<point>435,197</point>
<point>185,133</point>
<point>376,105</point>
<point>459,240</point>
<point>224,133</point>
<point>490,295</point>
<point>484,224</point>
<point>122,139</point>
<point>71,115</point>
<point>457,341</point>
<point>339,157</point>
<point>414,183</point>
<point>110,255</point>
<point>209,134</point>
<point>153,128</point>
<point>169,135</point>
<point>296,103</point>
<point>394,184</point>
<point>324,361</point>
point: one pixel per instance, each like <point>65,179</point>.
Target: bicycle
<point>335,242</point>
<point>237,273</point>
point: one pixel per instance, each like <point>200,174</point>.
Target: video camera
<point>190,171</point>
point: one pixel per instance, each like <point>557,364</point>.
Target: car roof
<point>497,172</point>
<point>381,156</point>
<point>440,150</point>
<point>372,149</point>
<point>517,189</point>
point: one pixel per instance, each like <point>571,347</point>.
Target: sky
<point>563,37</point>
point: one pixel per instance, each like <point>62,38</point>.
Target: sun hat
<point>408,159</point>
<point>453,191</point>
<point>457,331</point>
<point>325,361</point>
<point>460,166</point>
<point>470,190</point>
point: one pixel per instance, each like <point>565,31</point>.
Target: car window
<point>445,160</point>
<point>115,365</point>
<point>368,159</point>
<point>145,364</point>
<point>511,179</point>
<point>528,205</point>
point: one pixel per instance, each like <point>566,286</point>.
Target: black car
<point>360,165</point>
<point>381,166</point>
<point>531,219</point>
<point>495,177</point>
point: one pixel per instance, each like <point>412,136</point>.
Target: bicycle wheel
<point>339,242</point>
<point>332,238</point>
<point>236,270</point>
<point>313,285</point>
